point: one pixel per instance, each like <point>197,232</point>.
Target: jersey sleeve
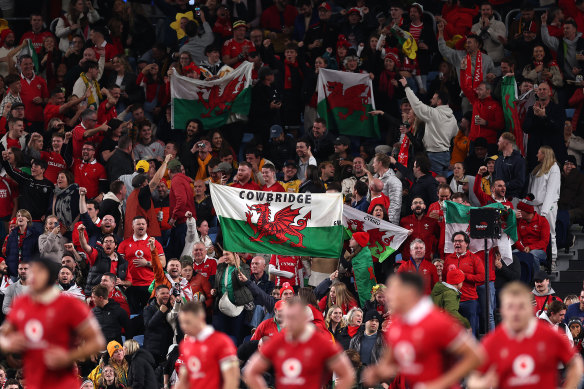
<point>226,350</point>
<point>259,332</point>
<point>328,349</point>
<point>450,332</point>
<point>78,312</point>
<point>159,248</point>
<point>269,348</point>
<point>564,350</point>
<point>489,344</point>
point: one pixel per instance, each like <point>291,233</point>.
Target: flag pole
<point>487,291</point>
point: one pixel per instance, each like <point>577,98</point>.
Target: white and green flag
<point>344,100</point>
<point>384,237</point>
<point>215,102</point>
<point>304,224</point>
<point>457,218</point>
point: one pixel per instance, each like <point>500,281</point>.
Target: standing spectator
<point>12,95</point>
<point>474,273</point>
<point>544,183</point>
<point>87,131</point>
<point>181,202</point>
<point>37,33</point>
<point>359,174</point>
<point>142,364</point>
<point>110,316</point>
<point>568,47</point>
<point>416,263</point>
<point>202,263</point>
<point>107,108</point>
<point>237,49</point>
<point>290,75</point>
<point>19,287</point>
<point>34,93</point>
<point>279,18</point>
<point>89,173</point>
<point>259,275</point>
<point>304,152</point>
<point>510,166</point>
<point>281,146</point>
<point>286,269</point>
<point>88,79</point>
<point>421,227</point>
<point>323,34</point>
<point>265,105</point>
<point>77,19</point>
<point>441,127</point>
<point>359,194</point>
<point>147,147</point>
<point>424,185</point>
<point>158,333</point>
<point>120,161</point>
<point>322,140</point>
<point>544,123</point>
<point>198,39</point>
<point>51,241</point>
<point>392,186</point>
<point>15,137</point>
<point>269,176</point>
<point>65,201</point>
<point>492,31</point>
<point>60,149</point>
<point>570,203</point>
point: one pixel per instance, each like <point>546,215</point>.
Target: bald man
<point>377,195</point>
<point>259,275</point>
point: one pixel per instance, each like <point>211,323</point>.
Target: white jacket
<point>546,189</point>
<point>441,125</point>
<point>392,188</point>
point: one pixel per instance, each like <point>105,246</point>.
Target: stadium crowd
<point>96,177</point>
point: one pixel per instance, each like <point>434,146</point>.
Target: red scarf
<point>352,330</point>
<point>288,73</point>
<point>385,84</point>
<point>478,73</point>
<point>404,150</point>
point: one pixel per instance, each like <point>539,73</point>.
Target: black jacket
<point>279,153</point>
<point>506,274</point>
<point>425,187</point>
<point>545,131</point>
<point>322,147</point>
<point>261,116</point>
<point>141,372</point>
<point>263,283</point>
<point>572,191</point>
<point>158,333</point>
<point>112,318</point>
<point>101,266</point>
<point>120,163</point>
<point>511,169</point>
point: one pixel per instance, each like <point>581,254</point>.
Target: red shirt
<point>250,185</point>
<point>205,355</point>
<point>435,206</point>
<point>104,114</point>
<point>87,175</point>
<point>272,18</point>
<point>233,48</point>
<point>132,249</point>
<point>426,269</point>
<point>267,327</point>
<point>383,200</point>
<point>6,196</point>
<point>288,263</point>
<point>529,362</point>
<point>110,52</point>
<point>55,163</point>
<point>534,234</point>
<point>473,269</point>
<point>36,88</point>
<point>274,188</point>
<point>49,325</point>
<point>207,268</point>
<point>79,140</point>
<point>426,229</point>
<point>36,39</point>
<point>13,143</point>
<point>420,339</point>
<point>52,111</point>
<point>119,298</point>
<point>301,363</point>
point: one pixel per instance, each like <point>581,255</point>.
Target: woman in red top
<point>339,296</point>
<point>154,89</point>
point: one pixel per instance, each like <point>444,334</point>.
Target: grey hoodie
<point>570,54</point>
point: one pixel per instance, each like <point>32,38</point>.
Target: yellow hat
<point>144,165</point>
<point>112,347</point>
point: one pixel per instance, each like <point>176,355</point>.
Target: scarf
<point>227,284</point>
<point>93,83</point>
<point>288,73</point>
<point>62,204</point>
<point>202,171</point>
<point>478,73</point>
<point>385,84</point>
<point>352,330</point>
<point>404,150</point>
<point>186,291</point>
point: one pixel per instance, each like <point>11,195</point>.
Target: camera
<point>176,292</point>
<point>201,144</point>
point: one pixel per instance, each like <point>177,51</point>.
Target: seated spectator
<point>290,182</point>
<point>269,177</point>
<point>477,157</point>
<point>66,284</point>
<point>446,295</point>
<point>354,321</point>
<point>420,227</point>
<point>533,232</point>
<point>312,182</point>
<point>89,173</point>
<point>369,342</point>
<point>338,295</point>
<point>243,178</point>
<point>543,68</point>
<point>555,315</point>
<point>377,196</point>
<point>259,276</point>
<point>113,201</point>
<point>322,139</point>
<point>87,131</point>
<point>270,327</point>
<point>543,292</point>
<point>572,41</point>
<point>335,321</point>
<point>147,147</point>
<point>202,263</point>
<point>360,191</point>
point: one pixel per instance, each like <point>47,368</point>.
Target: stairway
<point>569,277</point>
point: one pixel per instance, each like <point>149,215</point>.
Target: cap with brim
<point>17,105</point>
<point>239,23</point>
<point>144,165</point>
<point>342,140</point>
<point>223,167</point>
<point>275,131</point>
<point>325,5</point>
<point>291,163</point>
<point>138,180</point>
<point>493,157</point>
<point>173,164</point>
<point>541,275</point>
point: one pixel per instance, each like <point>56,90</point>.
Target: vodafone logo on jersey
<point>33,329</point>
<point>405,355</point>
<point>523,368</point>
<point>139,254</point>
<point>292,368</point>
<point>194,366</point>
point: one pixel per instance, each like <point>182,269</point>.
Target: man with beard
<point>359,174</point>
<point>96,228</point>
<point>158,332</point>
<point>178,285</point>
<point>290,183</point>
<point>66,284</point>
<point>89,173</point>
<point>103,259</point>
<point>111,282</point>
<point>9,41</point>
<point>421,227</point>
<point>19,287</point>
<point>498,190</point>
<point>242,179</point>
<point>136,251</point>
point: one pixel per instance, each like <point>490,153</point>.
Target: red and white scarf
<point>478,72</point>
<point>404,149</point>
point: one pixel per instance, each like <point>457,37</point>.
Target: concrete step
<point>574,264</point>
<point>572,276</point>
<point>564,289</point>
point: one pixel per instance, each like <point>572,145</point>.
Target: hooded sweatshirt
<point>441,125</point>
<point>543,300</point>
<point>447,298</point>
<point>181,198</point>
<point>566,55</point>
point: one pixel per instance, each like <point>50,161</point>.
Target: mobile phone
<point>191,2</point>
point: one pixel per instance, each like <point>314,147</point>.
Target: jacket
<point>572,191</point>
<point>241,292</point>
<point>120,163</point>
<point>158,333</point>
<point>447,298</point>
<point>511,169</point>
<point>490,36</point>
<point>377,349</point>
<point>392,188</point>
<point>473,269</point>
<point>455,56</point>
<point>263,282</point>
<point>546,189</point>
<point>545,131</point>
<point>426,270</point>
<point>112,318</point>
<point>507,273</point>
<point>101,266</point>
<point>196,45</point>
<point>14,255</point>
<point>566,50</point>
<point>323,146</point>
<point>141,372</point>
<point>181,198</point>
<point>426,229</point>
<point>534,234</point>
<point>51,245</point>
<point>542,301</point>
<point>441,125</point>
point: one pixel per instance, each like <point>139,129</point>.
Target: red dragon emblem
<point>377,237</point>
<point>219,101</point>
<point>351,99</point>
<point>284,223</point>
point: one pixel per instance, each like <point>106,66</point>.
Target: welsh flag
<point>384,237</point>
<point>29,49</point>
<point>344,99</point>
<point>303,224</point>
<point>215,102</point>
<point>364,275</point>
<point>509,103</point>
<point>457,218</point>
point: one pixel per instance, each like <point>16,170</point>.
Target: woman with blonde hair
<point>544,184</point>
<point>377,300</point>
<point>51,242</point>
<point>142,365</point>
<point>334,320</point>
<point>354,321</point>
<point>339,296</point>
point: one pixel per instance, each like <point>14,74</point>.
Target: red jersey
<point>119,298</point>
<point>10,143</point>
<point>104,114</point>
<point>426,269</point>
<point>207,268</point>
<point>55,163</point>
<point>528,362</point>
<point>87,175</point>
<point>232,48</point>
<point>420,339</point>
<point>473,269</point>
<point>37,87</point>
<point>6,197</point>
<point>37,40</point>
<point>52,111</point>
<point>426,229</point>
<point>78,139</point>
<point>301,363</point>
<point>534,234</point>
<point>435,206</point>
<point>53,324</point>
<point>133,248</point>
<point>205,356</point>
<point>268,327</point>
<point>274,188</point>
<point>287,263</point>
<point>250,185</point>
